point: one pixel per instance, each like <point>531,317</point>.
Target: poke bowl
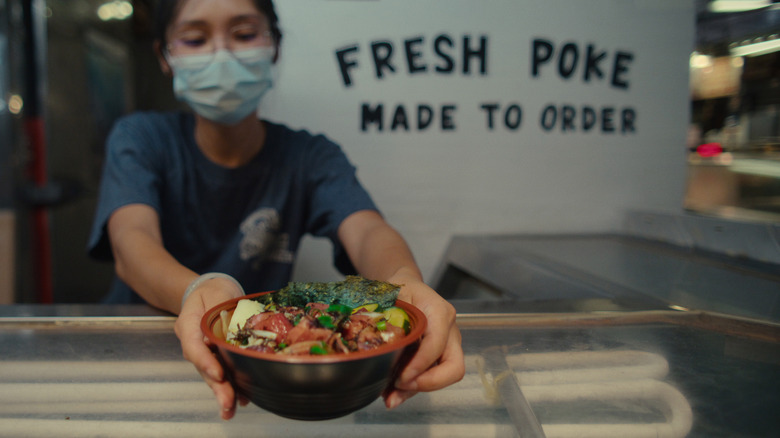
<point>310,386</point>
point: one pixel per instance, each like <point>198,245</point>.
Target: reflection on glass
<point>618,393</point>
<point>115,10</point>
<point>735,117</point>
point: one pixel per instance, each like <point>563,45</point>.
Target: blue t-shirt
<point>247,222</point>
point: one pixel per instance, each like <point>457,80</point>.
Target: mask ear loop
<point>275,75</point>
<point>274,80</point>
<point>166,53</point>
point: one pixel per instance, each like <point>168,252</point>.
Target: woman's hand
<point>195,346</point>
<point>379,252</point>
<point>146,266</point>
<point>439,360</point>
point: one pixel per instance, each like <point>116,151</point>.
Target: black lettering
<point>549,116</point>
<point>565,118</point>
<point>413,54</point>
<point>513,117</point>
<point>346,64</point>
<point>490,108</point>
<point>424,116</point>
<point>447,122</point>
<point>621,67</point>
<point>541,53</point>
<point>588,118</point>
<point>568,113</point>
<point>480,54</point>
<point>400,119</point>
<point>607,124</point>
<point>569,53</point>
<point>592,60</point>
<point>449,64</point>
<point>628,119</point>
<point>371,116</point>
<point>382,51</point>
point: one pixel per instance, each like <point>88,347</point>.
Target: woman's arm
<point>142,262</point>
<point>379,252</point>
<point>148,268</point>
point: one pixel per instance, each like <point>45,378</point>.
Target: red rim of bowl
<point>417,319</point>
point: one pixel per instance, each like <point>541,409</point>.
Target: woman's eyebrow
<point>233,20</point>
<point>247,17</point>
<point>188,24</point>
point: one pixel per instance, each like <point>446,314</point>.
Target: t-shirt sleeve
<point>336,193</point>
<point>130,175</point>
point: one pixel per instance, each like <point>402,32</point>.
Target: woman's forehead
<point>215,11</point>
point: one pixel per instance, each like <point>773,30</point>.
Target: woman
<point>225,193</point>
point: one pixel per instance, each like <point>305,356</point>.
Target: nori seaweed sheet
<point>354,291</point>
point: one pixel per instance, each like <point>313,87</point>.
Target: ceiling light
<point>115,10</point>
<point>15,104</point>
<point>737,5</point>
<point>700,61</point>
<point>756,49</point>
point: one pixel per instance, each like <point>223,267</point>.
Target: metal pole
<point>35,87</point>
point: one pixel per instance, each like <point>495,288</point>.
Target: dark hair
<point>166,9</point>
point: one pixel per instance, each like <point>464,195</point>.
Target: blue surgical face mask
<point>225,86</point>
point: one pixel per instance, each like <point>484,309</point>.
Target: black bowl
<point>312,387</point>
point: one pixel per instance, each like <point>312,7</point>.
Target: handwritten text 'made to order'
<point>468,56</point>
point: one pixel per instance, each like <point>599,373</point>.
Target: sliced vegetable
<point>326,321</point>
<point>340,308</point>
<point>320,348</point>
<point>244,310</point>
<point>399,318</point>
<point>263,334</point>
<point>371,307</point>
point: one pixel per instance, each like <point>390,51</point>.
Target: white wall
<point>436,182</point>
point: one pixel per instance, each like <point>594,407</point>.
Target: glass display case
<point>72,371</point>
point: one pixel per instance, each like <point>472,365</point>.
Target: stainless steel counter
<point>586,272</point>
<point>72,371</point>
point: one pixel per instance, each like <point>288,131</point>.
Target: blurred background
<point>735,92</point>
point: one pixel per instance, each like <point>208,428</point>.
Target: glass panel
<point>662,372</point>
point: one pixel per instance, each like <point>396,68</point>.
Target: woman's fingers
<point>438,361</point>
<point>396,397</point>
<point>195,350</point>
<point>225,397</point>
<point>193,346</point>
<point>448,369</point>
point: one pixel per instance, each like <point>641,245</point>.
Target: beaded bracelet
<point>206,277</point>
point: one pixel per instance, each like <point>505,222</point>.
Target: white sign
<point>498,116</point>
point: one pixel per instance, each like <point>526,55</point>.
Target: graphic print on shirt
<point>262,240</point>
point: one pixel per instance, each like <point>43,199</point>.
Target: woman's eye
<point>193,42</point>
<point>246,36</point>
<point>192,39</point>
<point>246,33</point>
